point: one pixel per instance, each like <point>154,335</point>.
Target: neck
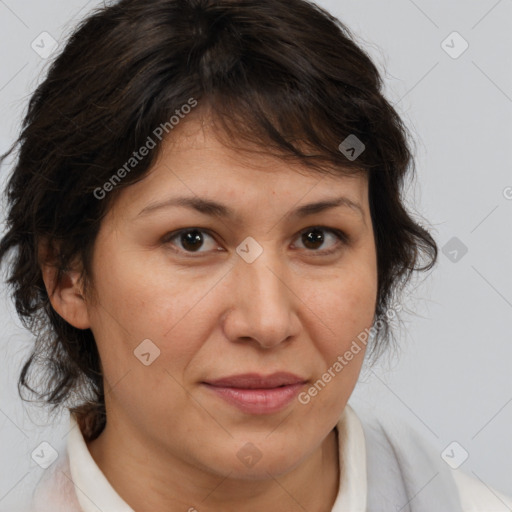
<point>175,486</point>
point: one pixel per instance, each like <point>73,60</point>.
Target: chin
<point>248,462</point>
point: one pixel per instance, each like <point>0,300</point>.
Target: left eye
<point>313,236</point>
<point>192,239</point>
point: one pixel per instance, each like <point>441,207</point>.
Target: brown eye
<point>189,240</point>
<point>314,238</point>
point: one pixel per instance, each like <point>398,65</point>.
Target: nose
<point>262,307</point>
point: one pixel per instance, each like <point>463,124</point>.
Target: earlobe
<point>66,296</point>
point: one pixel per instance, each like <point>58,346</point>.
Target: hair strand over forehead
<point>280,76</point>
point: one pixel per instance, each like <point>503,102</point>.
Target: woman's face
<point>258,291</point>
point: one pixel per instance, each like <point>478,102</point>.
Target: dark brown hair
<point>282,75</point>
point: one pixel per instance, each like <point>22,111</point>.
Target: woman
<point>207,216</point>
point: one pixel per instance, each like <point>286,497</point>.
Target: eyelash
<point>340,235</point>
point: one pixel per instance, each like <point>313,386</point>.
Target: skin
<point>169,443</point>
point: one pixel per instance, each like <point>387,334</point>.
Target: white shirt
<point>92,491</point>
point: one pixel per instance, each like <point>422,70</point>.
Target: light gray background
<point>452,379</point>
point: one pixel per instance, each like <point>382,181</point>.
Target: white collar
<point>94,491</point>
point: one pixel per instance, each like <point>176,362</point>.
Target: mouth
<point>257,394</point>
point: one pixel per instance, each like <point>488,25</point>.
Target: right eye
<point>190,239</point>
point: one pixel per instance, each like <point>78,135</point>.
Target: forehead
<point>199,136</point>
<point>195,165</point>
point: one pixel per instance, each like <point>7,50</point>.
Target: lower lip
<point>258,401</point>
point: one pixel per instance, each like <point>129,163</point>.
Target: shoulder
<point>414,451</point>
<point>477,496</point>
<point>55,490</point>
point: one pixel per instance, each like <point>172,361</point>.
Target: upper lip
<point>257,381</point>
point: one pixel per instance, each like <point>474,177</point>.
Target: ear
<point>66,296</point>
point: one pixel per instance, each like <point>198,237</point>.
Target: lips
<point>252,393</point>
<point>256,381</point>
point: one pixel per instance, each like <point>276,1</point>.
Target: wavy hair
<point>284,76</point>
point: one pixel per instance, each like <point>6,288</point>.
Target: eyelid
<point>170,236</point>
<point>342,237</point>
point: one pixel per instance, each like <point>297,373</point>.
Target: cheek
<point>142,327</point>
<point>344,305</point>
<point>344,308</point>
<point>145,302</point>
<point>347,308</point>
<point>135,304</point>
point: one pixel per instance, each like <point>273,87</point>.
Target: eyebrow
<point>216,209</point>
